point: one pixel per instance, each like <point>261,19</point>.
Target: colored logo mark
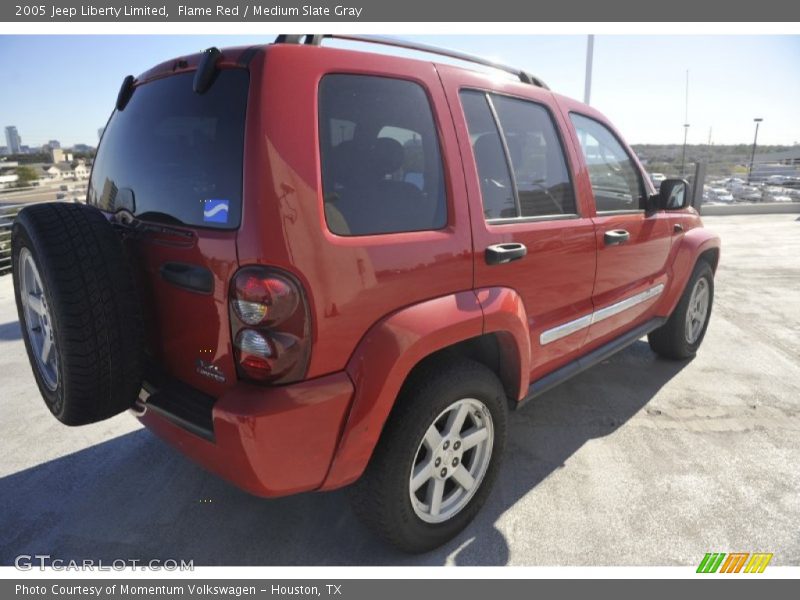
<point>736,562</point>
<point>215,211</point>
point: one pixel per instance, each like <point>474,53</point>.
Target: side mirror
<point>674,194</point>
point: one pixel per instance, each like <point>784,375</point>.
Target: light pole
<point>683,160</point>
<point>685,126</point>
<point>757,121</point>
<point>587,86</point>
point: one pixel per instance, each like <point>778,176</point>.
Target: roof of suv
<point>240,55</point>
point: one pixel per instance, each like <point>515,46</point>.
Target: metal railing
<point>317,39</point>
<point>7,216</point>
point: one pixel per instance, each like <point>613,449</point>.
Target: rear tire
<point>78,310</point>
<point>681,336</point>
<point>422,487</point>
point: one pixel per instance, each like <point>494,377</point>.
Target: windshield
<point>175,156</point>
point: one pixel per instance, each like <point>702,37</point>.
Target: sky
<point>64,86</point>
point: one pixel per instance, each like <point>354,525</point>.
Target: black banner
<point>405,11</point>
<point>386,589</point>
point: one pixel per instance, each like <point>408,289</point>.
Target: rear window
<point>175,156</point>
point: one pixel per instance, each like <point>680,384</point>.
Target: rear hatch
<point>173,158</point>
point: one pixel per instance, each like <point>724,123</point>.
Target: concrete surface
<point>639,461</point>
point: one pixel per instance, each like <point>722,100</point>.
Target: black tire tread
<point>95,306</point>
<point>668,341</point>
<point>374,497</point>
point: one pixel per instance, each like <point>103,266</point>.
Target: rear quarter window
<point>175,156</point>
<point>381,162</point>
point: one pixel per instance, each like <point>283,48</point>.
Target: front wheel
<point>682,334</point>
<point>437,458</point>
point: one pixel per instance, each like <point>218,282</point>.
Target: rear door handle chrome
<point>616,237</point>
<point>499,254</point>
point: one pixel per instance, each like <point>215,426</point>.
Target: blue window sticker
<point>215,211</point>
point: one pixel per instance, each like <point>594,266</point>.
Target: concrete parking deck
<point>639,461</point>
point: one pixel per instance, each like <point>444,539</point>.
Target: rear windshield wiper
<point>146,223</point>
<point>159,217</point>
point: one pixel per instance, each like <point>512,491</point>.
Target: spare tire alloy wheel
<point>451,460</point>
<point>38,320</point>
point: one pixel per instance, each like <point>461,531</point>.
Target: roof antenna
<point>125,92</point>
<point>206,70</point>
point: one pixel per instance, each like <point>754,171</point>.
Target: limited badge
<point>209,370</point>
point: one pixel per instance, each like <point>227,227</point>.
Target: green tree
<point>26,175</point>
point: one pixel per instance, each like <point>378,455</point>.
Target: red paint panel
<point>504,315</point>
<point>381,363</point>
<point>686,249</point>
<point>269,441</point>
<point>352,282</point>
<point>556,277</point>
<point>629,268</point>
<point>183,326</point>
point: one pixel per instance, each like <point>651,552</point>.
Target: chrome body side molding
<point>556,333</point>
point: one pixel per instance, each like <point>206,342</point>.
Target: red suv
<point>308,267</point>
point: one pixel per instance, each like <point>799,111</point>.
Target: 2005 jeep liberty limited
<point>308,267</point>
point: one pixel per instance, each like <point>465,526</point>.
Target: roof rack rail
<point>316,40</point>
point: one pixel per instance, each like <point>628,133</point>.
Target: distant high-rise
<point>54,144</point>
<point>13,141</point>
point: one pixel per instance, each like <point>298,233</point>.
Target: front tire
<point>437,458</point>
<point>681,336</point>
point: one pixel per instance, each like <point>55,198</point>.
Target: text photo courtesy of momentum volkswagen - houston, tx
<point>410,291</point>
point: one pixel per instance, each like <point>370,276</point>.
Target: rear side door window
<point>519,156</point>
<point>381,161</point>
<point>616,181</point>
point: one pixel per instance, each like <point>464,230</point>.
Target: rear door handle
<point>615,237</point>
<point>499,254</point>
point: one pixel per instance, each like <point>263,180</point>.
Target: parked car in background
<point>657,179</point>
<point>748,193</point>
<point>734,183</point>
<point>720,194</point>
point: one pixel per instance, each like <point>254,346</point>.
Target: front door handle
<point>499,254</point>
<point>615,237</point>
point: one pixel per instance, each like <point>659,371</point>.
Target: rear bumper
<point>267,441</point>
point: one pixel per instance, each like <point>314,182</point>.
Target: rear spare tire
<point>78,310</point>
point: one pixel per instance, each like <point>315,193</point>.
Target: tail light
<point>271,325</point>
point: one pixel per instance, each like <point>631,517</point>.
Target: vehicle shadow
<point>135,498</point>
<point>10,331</point>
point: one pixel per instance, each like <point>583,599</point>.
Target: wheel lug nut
<point>455,462</point>
<point>444,472</point>
<point>438,462</point>
<point>457,445</point>
<point>446,445</point>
